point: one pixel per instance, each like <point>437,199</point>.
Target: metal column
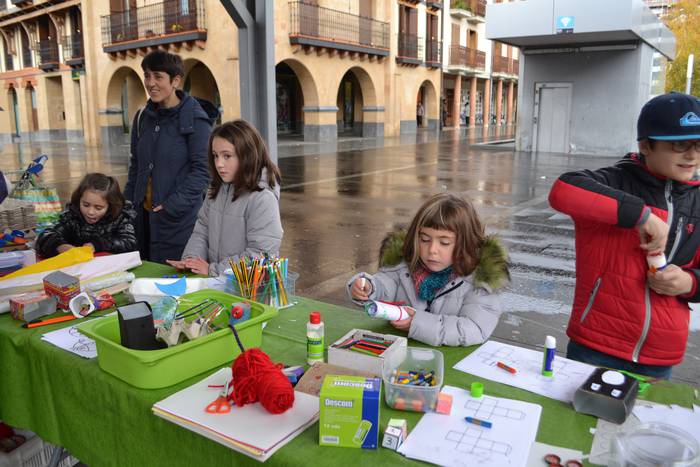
<point>256,61</point>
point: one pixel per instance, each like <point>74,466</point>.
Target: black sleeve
<point>58,234</point>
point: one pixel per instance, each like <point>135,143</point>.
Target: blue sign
<point>565,24</point>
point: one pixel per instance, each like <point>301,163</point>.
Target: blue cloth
<point>169,146</point>
<point>430,283</point>
<point>584,354</point>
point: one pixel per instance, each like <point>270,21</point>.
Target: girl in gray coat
<point>446,269</point>
<point>241,215</point>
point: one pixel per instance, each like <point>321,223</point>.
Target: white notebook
<point>250,429</point>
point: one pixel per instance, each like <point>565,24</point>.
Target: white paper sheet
<point>451,441</point>
<point>685,419</point>
<point>250,429</point>
<point>568,374</point>
<point>72,340</point>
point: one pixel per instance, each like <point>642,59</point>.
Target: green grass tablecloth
<point>70,401</point>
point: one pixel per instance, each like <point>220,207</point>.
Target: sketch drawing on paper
<point>508,355</point>
<point>82,342</point>
<point>477,443</point>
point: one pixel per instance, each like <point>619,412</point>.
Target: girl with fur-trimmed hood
<point>446,269</point>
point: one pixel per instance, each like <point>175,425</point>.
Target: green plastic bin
<point>152,369</point>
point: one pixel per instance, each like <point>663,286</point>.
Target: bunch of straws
<point>263,277</point>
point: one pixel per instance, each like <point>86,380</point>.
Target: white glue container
<point>656,262</point>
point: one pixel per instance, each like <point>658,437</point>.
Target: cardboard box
<point>362,362</point>
<point>395,433</point>
<point>33,305</point>
<point>62,286</point>
<point>349,412</point>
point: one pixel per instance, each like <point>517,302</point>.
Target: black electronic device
<point>136,327</point>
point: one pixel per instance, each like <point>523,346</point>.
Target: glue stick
<point>550,347</point>
<point>656,262</point>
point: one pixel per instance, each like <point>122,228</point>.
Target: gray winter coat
<point>465,312</point>
<point>248,226</point>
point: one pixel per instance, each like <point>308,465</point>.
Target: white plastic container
<point>408,397</point>
<point>372,364</point>
<point>145,289</point>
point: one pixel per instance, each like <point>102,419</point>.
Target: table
<point>71,402</point>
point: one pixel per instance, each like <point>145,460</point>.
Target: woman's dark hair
<point>160,60</point>
<point>252,158</point>
<point>107,186</point>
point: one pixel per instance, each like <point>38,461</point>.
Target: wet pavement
<point>340,199</point>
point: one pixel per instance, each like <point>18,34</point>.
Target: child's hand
<point>671,280</point>
<point>361,289</point>
<point>197,265</point>
<point>158,208</point>
<point>179,265</point>
<point>63,248</point>
<point>653,235</point>
<point>404,324</point>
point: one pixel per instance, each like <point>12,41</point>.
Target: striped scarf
<point>428,283</point>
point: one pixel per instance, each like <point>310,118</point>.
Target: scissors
<point>221,404</point>
<point>552,460</point>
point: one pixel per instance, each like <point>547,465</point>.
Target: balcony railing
<point>433,54</point>
<point>48,54</point>
<point>311,24</point>
<point>505,65</point>
<point>466,57</point>
<point>476,7</point>
<point>410,49</point>
<point>156,23</point>
<point>73,49</point>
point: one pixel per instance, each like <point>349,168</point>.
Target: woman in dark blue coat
<point>168,173</point>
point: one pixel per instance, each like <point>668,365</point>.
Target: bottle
<point>314,338</point>
<point>656,262</point>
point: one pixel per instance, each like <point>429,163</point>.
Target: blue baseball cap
<point>670,117</point>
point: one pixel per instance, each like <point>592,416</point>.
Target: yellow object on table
<point>73,256</point>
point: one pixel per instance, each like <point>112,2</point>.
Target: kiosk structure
<point>586,69</point>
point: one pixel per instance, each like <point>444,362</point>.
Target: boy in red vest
<point>625,315</point>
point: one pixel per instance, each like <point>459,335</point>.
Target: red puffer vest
<point>614,311</point>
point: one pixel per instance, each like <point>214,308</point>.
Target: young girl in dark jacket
<point>96,216</point>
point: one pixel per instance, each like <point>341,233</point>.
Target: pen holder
<point>267,292</point>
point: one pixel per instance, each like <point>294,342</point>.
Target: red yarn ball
<point>256,378</point>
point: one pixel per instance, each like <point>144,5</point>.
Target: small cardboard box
<point>33,305</point>
<point>349,412</point>
<point>62,286</point>
<point>363,362</point>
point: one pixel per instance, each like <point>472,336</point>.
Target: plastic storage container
<point>413,398</point>
<point>654,445</point>
<point>264,293</point>
<point>150,369</point>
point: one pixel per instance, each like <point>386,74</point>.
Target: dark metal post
<point>256,61</point>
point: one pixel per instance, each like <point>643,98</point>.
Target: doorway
<point>552,117</point>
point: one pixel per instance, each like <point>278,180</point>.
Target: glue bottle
<point>314,338</point>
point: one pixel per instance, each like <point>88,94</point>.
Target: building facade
<point>481,76</point>
<point>70,69</point>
